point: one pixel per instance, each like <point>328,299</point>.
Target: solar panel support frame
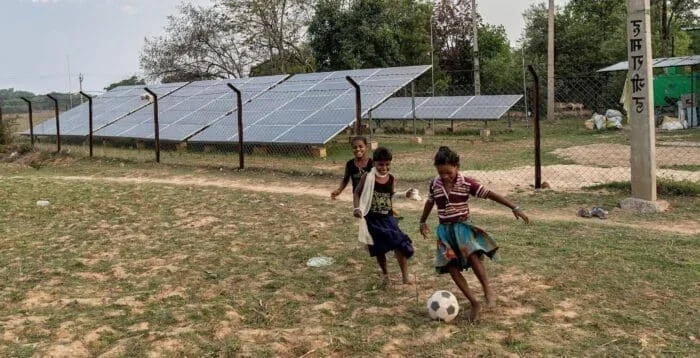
<point>31,121</point>
<point>89,98</point>
<point>58,126</point>
<point>358,105</point>
<point>156,132</point>
<point>239,116</point>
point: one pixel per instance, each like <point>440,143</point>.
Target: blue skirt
<point>387,236</point>
<point>456,241</point>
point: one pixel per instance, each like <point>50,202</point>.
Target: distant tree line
<point>236,38</point>
<point>11,101</point>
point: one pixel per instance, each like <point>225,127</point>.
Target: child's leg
<point>461,282</point>
<point>381,260</point>
<point>403,263</point>
<point>478,266</point>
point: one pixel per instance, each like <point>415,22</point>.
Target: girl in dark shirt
<point>354,168</point>
<point>382,225</point>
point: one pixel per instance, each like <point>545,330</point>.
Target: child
<point>460,245</point>
<point>379,228</point>
<point>354,168</point>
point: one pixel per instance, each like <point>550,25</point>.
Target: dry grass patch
<point>163,269</point>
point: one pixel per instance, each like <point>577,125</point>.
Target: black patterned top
<point>381,198</point>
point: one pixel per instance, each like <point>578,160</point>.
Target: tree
<point>670,17</point>
<point>500,65</point>
<point>370,33</point>
<point>679,13</point>
<point>133,80</point>
<point>454,44</point>
<point>273,30</point>
<point>200,41</point>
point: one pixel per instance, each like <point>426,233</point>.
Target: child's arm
<point>424,229</point>
<point>343,183</point>
<point>357,212</point>
<point>517,211</point>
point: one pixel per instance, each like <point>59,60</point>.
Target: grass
<point>509,147</point>
<point>196,270</point>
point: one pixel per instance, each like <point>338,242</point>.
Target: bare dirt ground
<point>690,227</point>
<point>618,155</point>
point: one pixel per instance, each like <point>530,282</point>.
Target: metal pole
<point>477,77</point>
<point>89,119</point>
<point>413,105</point>
<point>550,62</point>
<point>31,120</point>
<point>58,126</point>
<point>536,105</point>
<point>239,110</point>
<point>527,115</point>
<point>432,61</point>
<point>156,130</point>
<point>358,105</point>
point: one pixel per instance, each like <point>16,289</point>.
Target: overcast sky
<point>45,40</point>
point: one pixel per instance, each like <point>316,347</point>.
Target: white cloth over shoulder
<point>365,204</point>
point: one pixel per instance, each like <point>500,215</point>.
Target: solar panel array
<point>311,108</point>
<point>106,109</point>
<point>302,109</point>
<point>481,108</point>
<point>188,110</point>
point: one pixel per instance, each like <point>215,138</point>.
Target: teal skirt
<point>456,241</point>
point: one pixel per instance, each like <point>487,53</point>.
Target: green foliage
<point>663,187</point>
<point>133,80</point>
<point>11,101</point>
<point>370,33</point>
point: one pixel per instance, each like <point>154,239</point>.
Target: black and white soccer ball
<point>443,305</point>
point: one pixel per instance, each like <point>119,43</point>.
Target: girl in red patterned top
<point>460,245</point>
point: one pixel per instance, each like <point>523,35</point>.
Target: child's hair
<point>358,137</point>
<point>381,154</point>
<point>445,155</point>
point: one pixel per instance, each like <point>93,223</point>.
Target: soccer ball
<point>443,305</point>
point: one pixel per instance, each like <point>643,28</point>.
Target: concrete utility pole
<point>477,77</point>
<point>80,81</point>
<point>550,62</point>
<point>642,136</point>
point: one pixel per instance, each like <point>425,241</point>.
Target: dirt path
<point>687,228</point>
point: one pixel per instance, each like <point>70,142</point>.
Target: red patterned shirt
<point>452,206</point>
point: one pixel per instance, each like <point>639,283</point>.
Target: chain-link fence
<point>494,134</point>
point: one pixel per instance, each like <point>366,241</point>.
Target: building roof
<point>658,62</point>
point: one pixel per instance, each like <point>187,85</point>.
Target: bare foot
<point>384,280</point>
<point>406,281</point>
<point>490,300</point>
<point>474,312</point>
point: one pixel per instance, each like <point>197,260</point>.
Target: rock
<point>641,206</point>
<point>42,203</point>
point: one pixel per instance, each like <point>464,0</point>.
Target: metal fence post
<point>358,105</point>
<point>58,126</point>
<point>239,110</point>
<point>89,119</point>
<point>31,120</point>
<point>536,104</point>
<point>155,122</point>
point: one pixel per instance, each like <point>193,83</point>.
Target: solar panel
<point>489,107</point>
<point>657,62</point>
<point>106,109</point>
<point>190,109</point>
<point>311,108</point>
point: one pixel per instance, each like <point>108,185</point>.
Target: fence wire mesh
<point>498,151</point>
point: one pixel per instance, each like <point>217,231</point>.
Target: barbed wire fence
<point>577,150</point>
